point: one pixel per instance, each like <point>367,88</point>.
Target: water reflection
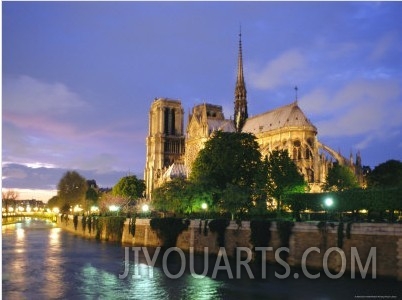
<point>53,266</point>
<point>44,262</point>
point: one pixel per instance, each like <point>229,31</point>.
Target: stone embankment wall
<point>386,238</point>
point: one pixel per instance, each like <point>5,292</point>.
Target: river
<point>40,261</point>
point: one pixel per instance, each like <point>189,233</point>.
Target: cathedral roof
<point>286,116</point>
<point>175,170</point>
<point>223,125</point>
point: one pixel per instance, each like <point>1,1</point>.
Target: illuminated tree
<point>282,176</point>
<point>130,188</point>
<point>71,189</point>
<point>229,161</point>
<point>340,178</point>
<point>108,200</point>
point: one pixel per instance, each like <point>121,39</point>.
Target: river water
<point>40,261</point>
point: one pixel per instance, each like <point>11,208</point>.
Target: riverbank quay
<point>371,249</point>
<point>12,218</point>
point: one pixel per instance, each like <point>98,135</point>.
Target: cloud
<point>48,124</point>
<point>282,70</point>
<point>19,176</point>
<point>25,95</point>
<point>367,108</point>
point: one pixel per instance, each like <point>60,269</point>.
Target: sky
<point>78,78</point>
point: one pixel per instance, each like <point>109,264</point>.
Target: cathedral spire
<point>240,103</point>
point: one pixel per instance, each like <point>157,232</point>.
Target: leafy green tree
<point>228,160</point>
<point>387,174</point>
<point>340,178</point>
<point>228,157</point>
<point>129,187</point>
<point>71,189</point>
<point>282,176</point>
<point>177,195</point>
<point>234,200</point>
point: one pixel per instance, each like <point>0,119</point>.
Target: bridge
<point>12,218</point>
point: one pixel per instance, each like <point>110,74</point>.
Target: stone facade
<point>165,141</point>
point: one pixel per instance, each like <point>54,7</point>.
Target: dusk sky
<point>79,77</point>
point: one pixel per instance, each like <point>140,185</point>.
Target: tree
<point>387,174</point>
<point>8,198</point>
<point>234,200</point>
<point>55,201</point>
<point>228,157</point>
<point>340,178</point>
<point>282,176</point>
<point>173,196</point>
<point>107,200</point>
<point>92,194</point>
<point>129,187</point>
<point>229,161</point>
<point>71,189</point>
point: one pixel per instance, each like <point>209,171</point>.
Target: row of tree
<point>73,190</point>
<point>229,175</point>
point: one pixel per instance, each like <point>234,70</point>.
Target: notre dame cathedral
<point>171,150</point>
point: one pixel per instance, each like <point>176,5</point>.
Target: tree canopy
<point>72,188</point>
<point>229,163</point>
<point>174,196</point>
<point>387,174</point>
<point>228,158</point>
<point>340,178</point>
<point>282,176</point>
<point>129,187</point>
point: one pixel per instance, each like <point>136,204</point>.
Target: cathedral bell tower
<point>165,141</point>
<point>240,103</point>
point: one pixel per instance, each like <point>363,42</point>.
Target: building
<point>170,154</point>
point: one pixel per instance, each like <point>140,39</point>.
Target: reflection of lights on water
<point>20,233</point>
<point>54,236</point>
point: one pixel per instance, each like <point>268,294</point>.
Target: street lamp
<point>328,202</point>
<point>113,208</point>
<point>204,206</point>
<point>145,209</point>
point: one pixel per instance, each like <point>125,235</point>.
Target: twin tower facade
<point>171,150</point>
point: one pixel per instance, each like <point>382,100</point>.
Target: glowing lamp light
<point>113,208</point>
<point>94,209</point>
<point>77,209</point>
<point>56,210</point>
<point>204,206</point>
<point>145,208</point>
<point>28,209</point>
<point>329,202</point>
